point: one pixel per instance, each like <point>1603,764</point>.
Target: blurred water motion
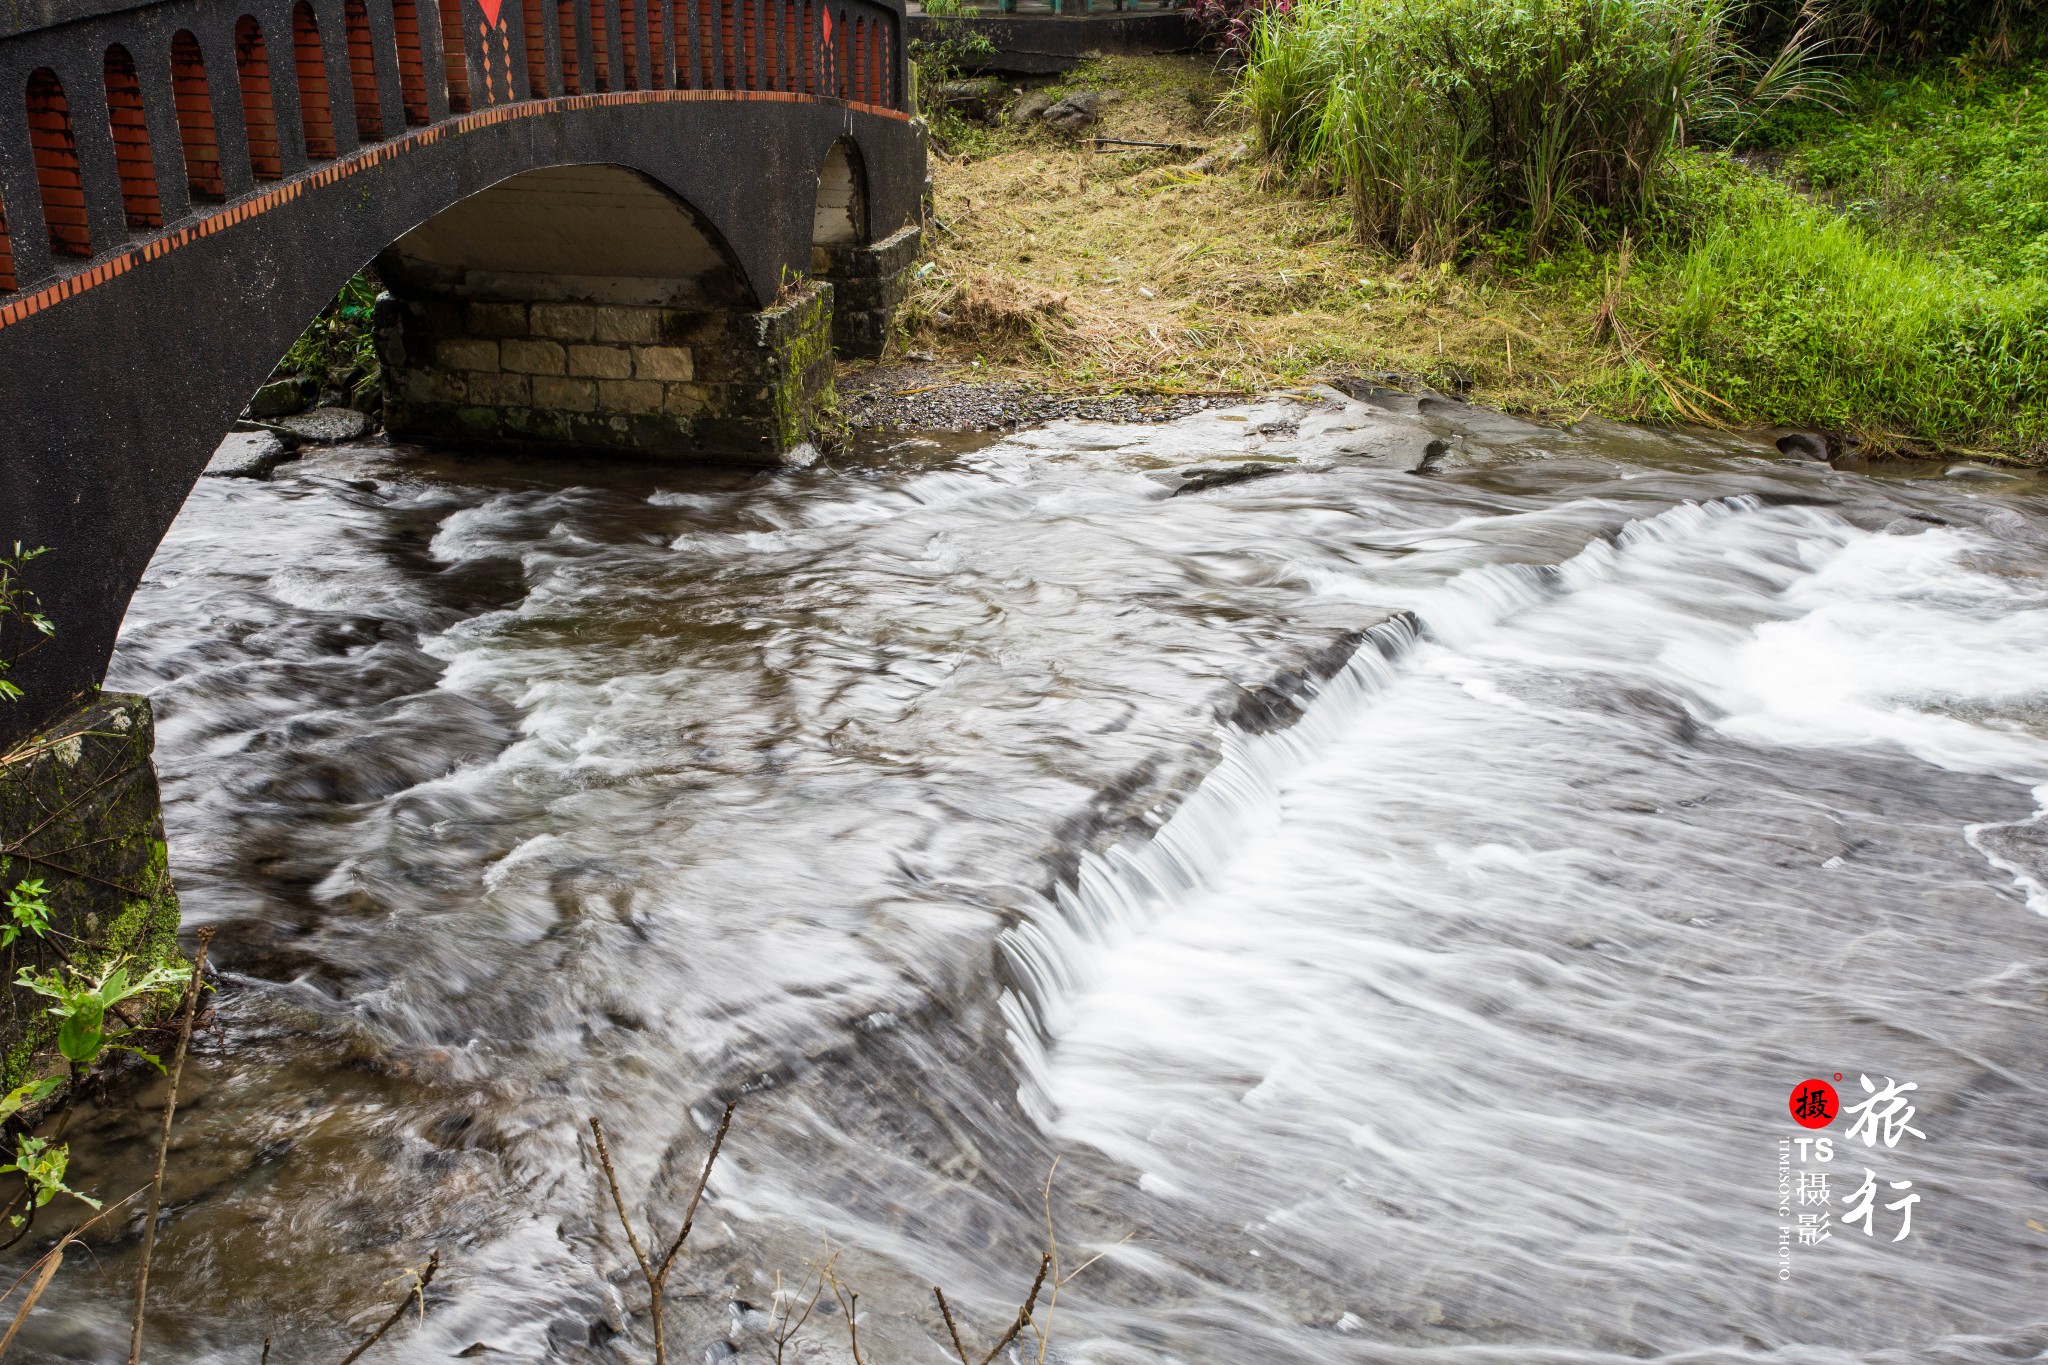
<point>1403,903</point>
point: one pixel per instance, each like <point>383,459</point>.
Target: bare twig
<point>657,1279</point>
<point>44,1268</point>
<point>50,1262</point>
<point>266,1350</point>
<point>1023,1313</point>
<point>163,1144</point>
<point>947,1313</point>
<point>786,1329</point>
<point>849,1304</point>
<point>418,1292</point>
<point>1181,147</point>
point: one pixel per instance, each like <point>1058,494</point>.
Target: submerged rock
<point>1201,477</point>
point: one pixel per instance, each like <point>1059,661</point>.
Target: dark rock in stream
<point>1202,477</point>
<point>248,455</point>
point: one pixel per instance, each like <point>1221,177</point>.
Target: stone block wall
<point>640,379</point>
<point>80,811</point>
<point>868,285</point>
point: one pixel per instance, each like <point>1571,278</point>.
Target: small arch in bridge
<point>840,216</point>
<point>362,71</point>
<point>196,136</point>
<point>130,132</point>
<point>860,58</point>
<point>808,78</point>
<point>707,41</point>
<point>316,110</point>
<point>629,45</point>
<point>56,161</point>
<point>412,63</point>
<point>600,48</point>
<point>259,116</point>
<point>728,43</point>
<point>592,233</point>
<point>565,32</point>
<point>842,58</point>
<point>657,45</point>
<point>536,48</point>
<point>454,65</point>
<point>7,284</point>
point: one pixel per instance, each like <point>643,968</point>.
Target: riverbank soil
<point>1878,271</point>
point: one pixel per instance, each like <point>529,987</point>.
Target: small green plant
<point>20,611</point>
<point>41,1167</point>
<point>953,49</point>
<point>338,348</point>
<point>27,911</point>
<point>84,1003</point>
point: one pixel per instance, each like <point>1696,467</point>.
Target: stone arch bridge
<point>634,225</point>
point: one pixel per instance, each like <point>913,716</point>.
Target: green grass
<point>1954,163</point>
<point>1782,310</point>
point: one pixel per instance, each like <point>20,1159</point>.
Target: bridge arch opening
<point>362,72</point>
<point>597,234</point>
<point>56,160</point>
<point>840,214</point>
<point>259,115</point>
<point>412,63</point>
<point>316,108</point>
<point>454,64</point>
<point>133,163</point>
<point>589,307</point>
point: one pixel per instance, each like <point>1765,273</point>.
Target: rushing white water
<point>1402,905</point>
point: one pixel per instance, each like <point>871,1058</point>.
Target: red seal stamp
<point>1814,1104</point>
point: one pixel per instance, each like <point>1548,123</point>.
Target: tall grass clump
<point>1442,119</point>
<point>1787,312</point>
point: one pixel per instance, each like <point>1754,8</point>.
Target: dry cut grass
<point>1082,269</point>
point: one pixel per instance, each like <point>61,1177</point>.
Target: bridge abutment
<point>869,282</point>
<point>628,378</point>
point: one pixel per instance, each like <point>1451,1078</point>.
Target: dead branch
<point>44,1269</point>
<point>422,1278</point>
<point>786,1330</point>
<point>951,1328</point>
<point>1178,148</point>
<point>657,1279</point>
<point>163,1144</point>
<point>849,1304</point>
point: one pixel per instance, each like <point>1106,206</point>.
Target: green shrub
<point>1951,162</point>
<point>1445,118</point>
<point>1788,312</point>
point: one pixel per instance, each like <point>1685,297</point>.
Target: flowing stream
<point>1400,891</point>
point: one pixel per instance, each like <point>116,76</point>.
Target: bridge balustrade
<point>194,113</point>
